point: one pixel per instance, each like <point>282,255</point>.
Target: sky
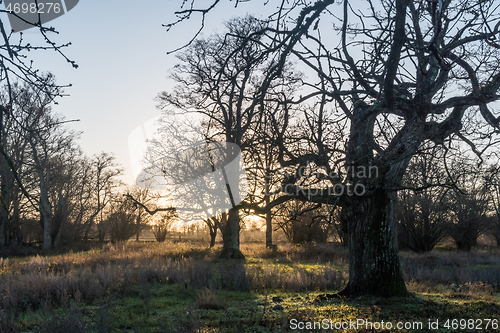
<point>121,50</point>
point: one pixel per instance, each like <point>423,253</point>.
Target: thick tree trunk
<point>231,236</point>
<point>374,267</point>
<point>371,217</point>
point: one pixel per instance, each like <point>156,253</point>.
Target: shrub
<point>162,225</point>
<point>121,226</point>
<point>207,299</point>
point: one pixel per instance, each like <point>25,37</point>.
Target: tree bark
<point>59,220</point>
<point>374,267</point>
<point>371,217</point>
<point>46,219</point>
<point>269,228</point>
<point>231,236</point>
<point>46,216</point>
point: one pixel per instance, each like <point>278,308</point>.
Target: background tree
<point>46,175</point>
<point>142,217</point>
<point>492,179</point>
<point>162,225</point>
<point>425,204</point>
<point>304,222</point>
<point>51,145</point>
<point>217,78</point>
<point>16,146</point>
<point>469,206</point>
<point>121,220</point>
<point>103,182</point>
<point>17,66</point>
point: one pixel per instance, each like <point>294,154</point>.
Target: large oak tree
<point>403,74</point>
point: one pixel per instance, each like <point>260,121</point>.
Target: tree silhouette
<point>401,74</point>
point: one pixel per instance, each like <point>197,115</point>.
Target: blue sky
<point>121,49</point>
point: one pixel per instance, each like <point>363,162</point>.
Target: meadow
<point>183,287</point>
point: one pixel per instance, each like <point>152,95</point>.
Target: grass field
<point>182,287</point>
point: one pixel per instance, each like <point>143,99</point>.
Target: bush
<point>163,224</point>
<point>121,226</point>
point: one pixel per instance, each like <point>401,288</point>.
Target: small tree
<point>303,222</point>
<point>469,220</point>
<point>422,221</point>
<point>468,204</point>
<point>121,222</point>
<point>163,224</point>
<point>424,208</point>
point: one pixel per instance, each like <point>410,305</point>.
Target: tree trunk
<point>213,235</point>
<point>374,267</point>
<point>47,230</point>
<point>269,230</point>
<point>90,223</point>
<point>4,205</point>
<point>269,220</point>
<point>3,232</point>
<point>59,220</point>
<point>231,236</point>
<point>46,217</point>
<point>371,217</point>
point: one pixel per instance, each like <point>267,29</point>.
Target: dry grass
<point>440,268</point>
<point>92,278</point>
<point>207,299</point>
<point>89,276</point>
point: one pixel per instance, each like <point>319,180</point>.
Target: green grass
<point>177,288</point>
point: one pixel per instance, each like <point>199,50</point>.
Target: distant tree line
<point>51,192</point>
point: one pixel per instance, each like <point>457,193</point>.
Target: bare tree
<point>162,225</point>
<point>42,147</point>
<point>44,166</point>
<point>16,146</point>
<point>142,218</point>
<point>425,202</point>
<point>17,66</point>
<point>304,222</point>
<point>403,74</point>
<point>103,172</point>
<point>469,205</point>
<point>121,220</point>
<point>49,143</point>
<point>218,78</point>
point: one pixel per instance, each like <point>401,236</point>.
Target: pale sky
<point>121,49</point>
